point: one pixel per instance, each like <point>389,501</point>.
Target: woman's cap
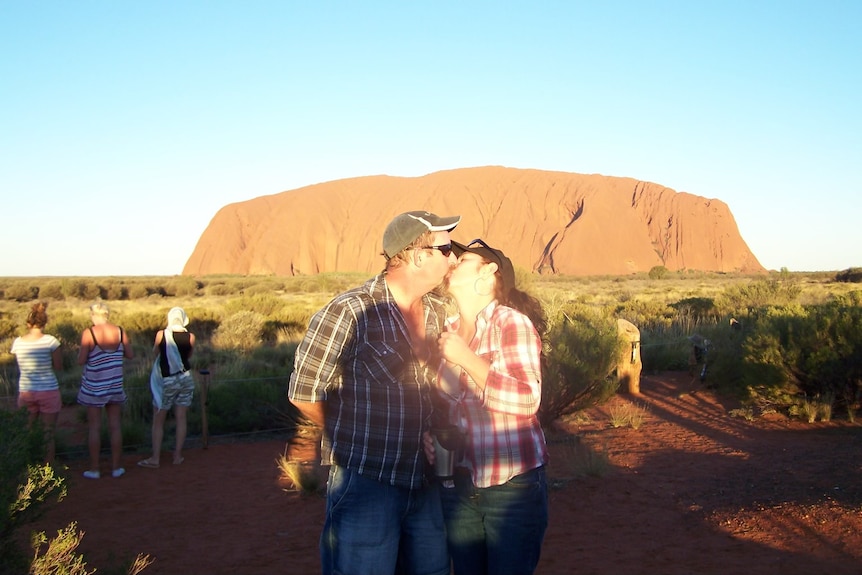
<point>405,228</point>
<point>486,252</point>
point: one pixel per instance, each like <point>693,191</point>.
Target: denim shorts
<point>373,527</point>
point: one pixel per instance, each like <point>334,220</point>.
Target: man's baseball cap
<point>486,252</point>
<point>405,228</point>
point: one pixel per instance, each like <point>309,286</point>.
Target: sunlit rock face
<point>550,222</point>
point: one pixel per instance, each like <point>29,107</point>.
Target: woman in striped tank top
<point>103,348</point>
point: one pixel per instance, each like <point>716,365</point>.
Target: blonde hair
<point>402,258</point>
<point>100,309</point>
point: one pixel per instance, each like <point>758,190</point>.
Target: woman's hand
<point>453,348</point>
<point>428,445</point>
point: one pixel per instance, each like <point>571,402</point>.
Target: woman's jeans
<point>496,530</point>
<point>373,528</point>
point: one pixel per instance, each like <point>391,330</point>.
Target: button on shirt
<point>503,435</point>
<point>357,357</point>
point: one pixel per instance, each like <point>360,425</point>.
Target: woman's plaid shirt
<point>357,358</point>
<point>503,434</point>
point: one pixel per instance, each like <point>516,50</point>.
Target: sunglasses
<point>481,243</point>
<point>445,249</point>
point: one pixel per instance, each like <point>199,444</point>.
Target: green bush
<point>853,275</point>
<point>657,272</point>
<point>22,448</point>
<point>52,290</point>
<point>21,292</point>
<point>815,351</point>
<point>242,330</point>
<point>82,289</point>
<point>580,356</point>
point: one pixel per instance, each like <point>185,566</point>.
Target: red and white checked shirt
<point>503,435</point>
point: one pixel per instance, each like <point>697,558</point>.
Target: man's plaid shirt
<point>357,358</point>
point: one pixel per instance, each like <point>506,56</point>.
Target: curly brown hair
<point>37,316</point>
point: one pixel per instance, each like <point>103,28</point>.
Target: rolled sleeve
<point>514,381</point>
<point>317,364</point>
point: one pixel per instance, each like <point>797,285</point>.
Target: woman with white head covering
<point>172,383</point>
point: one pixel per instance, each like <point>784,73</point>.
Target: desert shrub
<point>52,290</point>
<point>580,355</point>
<point>22,447</point>
<point>144,322</point>
<point>853,275</point>
<point>264,287</point>
<point>219,289</point>
<point>813,350</point>
<point>697,308</point>
<point>82,289</point>
<point>745,299</point>
<point>241,406</point>
<point>138,291</point>
<point>657,272</point>
<point>116,290</point>
<point>21,292</point>
<point>264,304</point>
<point>182,286</point>
<point>66,326</point>
<point>242,330</point>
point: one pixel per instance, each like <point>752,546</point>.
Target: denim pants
<point>496,530</point>
<point>373,528</point>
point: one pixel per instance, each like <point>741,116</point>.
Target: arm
<point>86,347</point>
<point>312,411</point>
<point>191,344</point>
<point>128,352</point>
<point>514,383</point>
<point>57,359</point>
<point>509,381</point>
<point>317,362</point>
<point>159,335</point>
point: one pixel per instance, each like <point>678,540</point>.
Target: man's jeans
<point>497,530</point>
<point>373,528</point>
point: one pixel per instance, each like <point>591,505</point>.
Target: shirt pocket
<point>383,362</point>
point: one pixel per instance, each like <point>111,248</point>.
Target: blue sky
<point>125,126</point>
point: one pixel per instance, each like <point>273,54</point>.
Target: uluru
<point>547,222</point>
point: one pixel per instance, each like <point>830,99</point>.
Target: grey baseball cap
<point>405,228</point>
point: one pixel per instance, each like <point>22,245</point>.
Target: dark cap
<point>405,228</point>
<point>486,252</point>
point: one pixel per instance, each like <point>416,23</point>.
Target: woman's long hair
<point>527,305</point>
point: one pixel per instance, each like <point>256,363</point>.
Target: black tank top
<point>184,345</point>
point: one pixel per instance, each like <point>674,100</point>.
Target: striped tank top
<point>102,381</point>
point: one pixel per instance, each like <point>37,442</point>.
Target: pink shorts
<point>40,401</point>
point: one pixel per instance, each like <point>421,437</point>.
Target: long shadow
<point>711,494</point>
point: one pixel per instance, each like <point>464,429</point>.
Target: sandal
<point>148,464</point>
<point>179,460</point>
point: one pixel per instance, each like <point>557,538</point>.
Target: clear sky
<point>126,125</point>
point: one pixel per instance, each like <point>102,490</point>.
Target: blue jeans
<point>373,528</point>
<point>496,530</point>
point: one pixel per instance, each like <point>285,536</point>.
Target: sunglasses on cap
<point>445,249</point>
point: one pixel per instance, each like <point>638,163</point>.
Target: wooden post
<point>205,383</point>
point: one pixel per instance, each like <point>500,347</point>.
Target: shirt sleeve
<point>514,384</point>
<point>318,357</point>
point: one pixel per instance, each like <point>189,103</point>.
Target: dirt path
<point>691,491</point>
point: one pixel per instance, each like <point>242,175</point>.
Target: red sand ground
<point>692,491</point>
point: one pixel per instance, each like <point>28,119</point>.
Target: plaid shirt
<point>357,357</point>
<point>503,434</point>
